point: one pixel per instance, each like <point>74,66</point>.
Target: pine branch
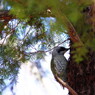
<point>8,35</point>
<point>4,15</point>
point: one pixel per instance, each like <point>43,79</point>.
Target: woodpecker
<point>59,62</point>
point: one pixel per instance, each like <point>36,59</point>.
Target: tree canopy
<point>29,29</point>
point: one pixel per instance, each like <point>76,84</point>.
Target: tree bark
<point>81,77</point>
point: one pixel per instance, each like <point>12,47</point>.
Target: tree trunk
<point>81,77</point>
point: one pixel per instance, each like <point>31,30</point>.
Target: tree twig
<point>42,51</point>
<point>64,84</point>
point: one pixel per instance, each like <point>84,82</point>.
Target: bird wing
<point>60,64</point>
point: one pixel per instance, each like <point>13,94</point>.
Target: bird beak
<point>67,49</point>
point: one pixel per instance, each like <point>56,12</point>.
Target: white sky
<point>30,82</point>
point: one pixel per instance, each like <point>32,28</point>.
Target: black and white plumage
<point>59,62</point>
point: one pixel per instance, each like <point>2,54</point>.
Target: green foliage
<point>24,9</point>
<point>80,54</point>
<point>38,30</point>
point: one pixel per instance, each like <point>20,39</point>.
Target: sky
<point>31,83</point>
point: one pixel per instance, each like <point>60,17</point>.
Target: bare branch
<point>64,84</point>
<point>40,51</point>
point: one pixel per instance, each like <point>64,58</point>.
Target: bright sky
<point>30,82</point>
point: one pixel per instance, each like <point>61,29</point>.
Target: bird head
<point>59,50</point>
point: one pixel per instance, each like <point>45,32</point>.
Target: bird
<point>59,62</point>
